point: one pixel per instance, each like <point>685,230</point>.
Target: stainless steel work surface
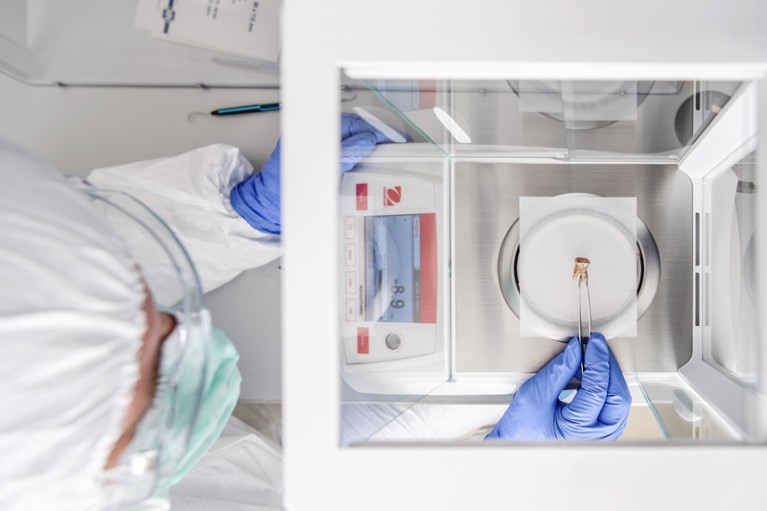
<point>486,205</point>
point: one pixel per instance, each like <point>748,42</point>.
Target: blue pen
<point>262,107</point>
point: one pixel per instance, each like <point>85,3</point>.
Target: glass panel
<point>564,120</point>
<point>666,119</point>
<point>394,250</point>
<point>406,106</point>
<point>431,418</point>
<point>679,414</point>
<point>731,314</point>
<point>664,409</point>
<point>376,416</point>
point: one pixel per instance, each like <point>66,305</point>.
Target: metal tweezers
<point>581,273</point>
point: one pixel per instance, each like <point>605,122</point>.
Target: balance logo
<point>392,196</point>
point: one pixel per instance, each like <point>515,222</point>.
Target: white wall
<point>78,129</point>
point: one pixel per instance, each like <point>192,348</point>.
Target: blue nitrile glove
<point>257,199</point>
<point>598,411</point>
<point>358,140</point>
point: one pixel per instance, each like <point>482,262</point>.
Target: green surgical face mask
<point>221,389</point>
<point>212,400</point>
<point>198,380</point>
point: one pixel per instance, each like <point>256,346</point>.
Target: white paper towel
<point>556,230</point>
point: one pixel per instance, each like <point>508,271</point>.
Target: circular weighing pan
<point>647,279</point>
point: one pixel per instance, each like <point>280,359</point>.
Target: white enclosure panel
<point>404,39</point>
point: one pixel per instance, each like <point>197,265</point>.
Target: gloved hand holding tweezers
<point>599,410</point>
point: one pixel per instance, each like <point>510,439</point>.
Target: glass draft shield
<point>448,304</point>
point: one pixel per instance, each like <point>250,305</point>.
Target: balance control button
<point>351,310</point>
<point>350,254</point>
<point>350,228</point>
<point>350,282</point>
<point>393,341</point>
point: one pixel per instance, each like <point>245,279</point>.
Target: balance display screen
<point>400,268</point>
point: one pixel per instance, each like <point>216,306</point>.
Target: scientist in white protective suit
<point>117,392</point>
<point>115,384</point>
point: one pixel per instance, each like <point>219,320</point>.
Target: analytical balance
<point>436,297</point>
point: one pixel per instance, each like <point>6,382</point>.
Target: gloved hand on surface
<point>598,411</point>
<point>257,199</point>
<point>358,140</point>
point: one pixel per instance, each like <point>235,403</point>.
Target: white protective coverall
<point>190,192</point>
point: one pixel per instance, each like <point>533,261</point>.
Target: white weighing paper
<point>580,100</point>
<point>556,230</point>
<point>242,27</point>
